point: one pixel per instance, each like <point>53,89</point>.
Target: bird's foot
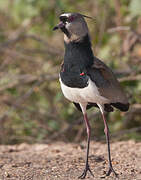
<point>83,175</point>
<point>110,171</point>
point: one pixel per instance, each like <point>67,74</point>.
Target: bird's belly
<point>83,95</point>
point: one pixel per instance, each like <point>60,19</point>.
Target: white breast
<point>83,95</point>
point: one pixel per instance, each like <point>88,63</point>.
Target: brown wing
<point>106,82</point>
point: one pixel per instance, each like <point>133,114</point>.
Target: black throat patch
<point>65,31</point>
<point>78,58</point>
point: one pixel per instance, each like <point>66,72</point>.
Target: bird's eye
<point>71,18</point>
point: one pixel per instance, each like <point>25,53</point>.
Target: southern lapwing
<point>87,81</point>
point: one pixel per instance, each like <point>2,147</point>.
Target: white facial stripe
<point>66,14</point>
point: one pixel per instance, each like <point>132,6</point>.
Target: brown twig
<point>118,28</point>
<point>49,48</point>
<point>20,35</point>
<point>26,79</point>
<point>131,78</point>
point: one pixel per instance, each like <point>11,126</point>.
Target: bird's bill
<point>59,26</point>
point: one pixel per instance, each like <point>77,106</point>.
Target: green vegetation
<point>33,108</point>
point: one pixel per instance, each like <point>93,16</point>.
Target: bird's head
<point>73,25</point>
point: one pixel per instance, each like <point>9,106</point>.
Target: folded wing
<point>108,85</point>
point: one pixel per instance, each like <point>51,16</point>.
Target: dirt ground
<point>65,161</point>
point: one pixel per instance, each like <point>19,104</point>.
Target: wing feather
<point>107,84</point>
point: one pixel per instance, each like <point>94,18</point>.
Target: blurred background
<point>32,106</point>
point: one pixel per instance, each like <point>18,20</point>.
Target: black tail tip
<point>121,106</point>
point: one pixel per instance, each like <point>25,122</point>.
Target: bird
<point>87,81</point>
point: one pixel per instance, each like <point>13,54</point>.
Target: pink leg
<point>106,130</point>
<point>87,168</point>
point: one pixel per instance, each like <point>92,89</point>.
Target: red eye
<point>71,18</point>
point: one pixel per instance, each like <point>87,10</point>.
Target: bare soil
<point>65,161</point>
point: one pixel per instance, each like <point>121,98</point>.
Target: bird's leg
<point>87,168</point>
<point>106,130</point>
